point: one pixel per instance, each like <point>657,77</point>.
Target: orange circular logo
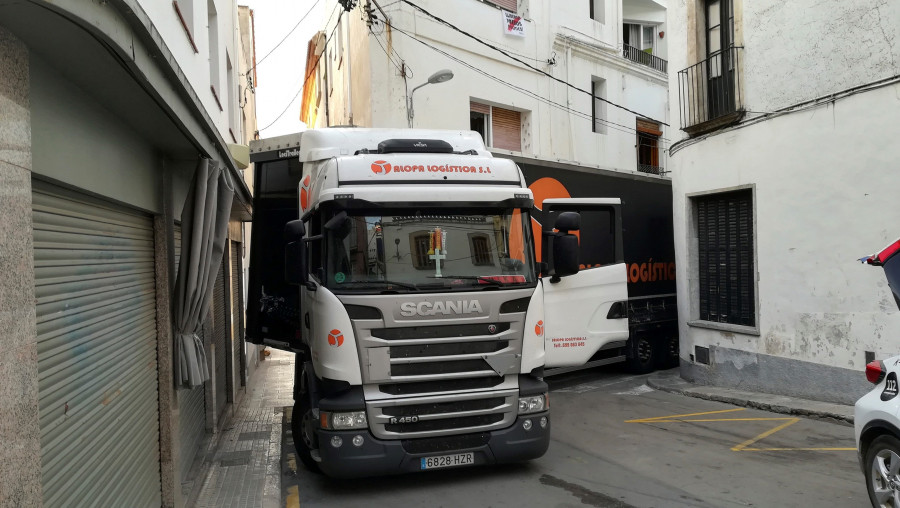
<point>379,167</point>
<point>539,328</point>
<point>335,338</point>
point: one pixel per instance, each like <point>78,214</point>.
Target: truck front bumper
<point>377,457</point>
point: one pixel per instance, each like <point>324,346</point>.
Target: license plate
<point>459,459</point>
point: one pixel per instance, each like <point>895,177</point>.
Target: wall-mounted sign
<point>512,24</point>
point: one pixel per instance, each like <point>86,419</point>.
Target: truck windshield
<point>430,250</point>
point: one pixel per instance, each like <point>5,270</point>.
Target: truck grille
<point>432,378</point>
<point>433,416</point>
<point>443,385</point>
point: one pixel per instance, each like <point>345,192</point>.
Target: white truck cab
<point>400,266</point>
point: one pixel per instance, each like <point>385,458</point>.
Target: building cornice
<point>607,55</point>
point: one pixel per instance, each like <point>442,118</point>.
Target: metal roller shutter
<point>95,292</point>
<point>221,344</point>
<point>237,307</point>
<point>191,405</point>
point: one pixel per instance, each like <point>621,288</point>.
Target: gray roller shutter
<point>219,339</point>
<point>191,405</point>
<point>237,307</point>
<point>95,293</point>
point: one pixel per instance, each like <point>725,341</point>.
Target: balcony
<point>644,58</point>
<point>709,93</point>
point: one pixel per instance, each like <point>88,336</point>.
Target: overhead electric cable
<point>285,37</point>
<point>302,83</point>
<point>508,55</point>
<point>613,125</point>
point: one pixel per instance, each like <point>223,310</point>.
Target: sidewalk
<point>245,469</point>
<point>670,381</point>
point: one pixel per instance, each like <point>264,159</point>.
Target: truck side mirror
<point>565,256</point>
<point>564,246</point>
<point>295,253</point>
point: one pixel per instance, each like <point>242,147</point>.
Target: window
<point>726,266</point>
<point>480,249</point>
<point>213,31</point>
<point>231,100</point>
<point>598,10</point>
<point>720,66</point>
<point>339,55</point>
<point>480,120</point>
<point>184,9</point>
<point>598,107</point>
<point>648,134</point>
<point>499,127</point>
<point>419,243</point>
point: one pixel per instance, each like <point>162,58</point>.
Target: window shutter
<point>509,5</point>
<point>507,129</point>
<point>479,108</point>
<point>725,244</point>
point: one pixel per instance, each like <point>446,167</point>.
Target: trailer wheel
<point>642,354</point>
<point>303,427</point>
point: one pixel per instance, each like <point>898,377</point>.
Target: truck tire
<point>303,426</point>
<point>642,354</point>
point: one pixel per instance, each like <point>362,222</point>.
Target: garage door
<point>96,327</point>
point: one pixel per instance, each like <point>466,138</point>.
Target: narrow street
<point>618,443</point>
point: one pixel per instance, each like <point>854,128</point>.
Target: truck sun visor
<point>415,146</point>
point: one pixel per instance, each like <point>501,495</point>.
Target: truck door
<point>273,305</point>
<point>586,311</point>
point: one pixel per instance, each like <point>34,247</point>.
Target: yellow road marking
<point>745,446</point>
<point>292,500</point>
<point>799,449</point>
<point>675,417</point>
<point>765,434</point>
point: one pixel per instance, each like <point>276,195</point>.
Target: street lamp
<point>440,76</point>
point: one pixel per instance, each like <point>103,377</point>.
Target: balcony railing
<point>709,93</point>
<point>642,57</point>
<point>653,170</point>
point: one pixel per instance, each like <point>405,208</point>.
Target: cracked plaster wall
<point>800,50</point>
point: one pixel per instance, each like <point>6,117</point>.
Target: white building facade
<point>523,75</point>
<point>784,118</point>
<point>107,111</point>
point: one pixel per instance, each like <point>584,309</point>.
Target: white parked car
<point>877,413</point>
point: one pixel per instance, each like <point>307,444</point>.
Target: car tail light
<point>875,371</point>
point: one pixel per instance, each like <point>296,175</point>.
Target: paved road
<point>618,444</point>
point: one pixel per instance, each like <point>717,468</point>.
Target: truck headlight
<point>343,421</point>
<point>533,404</point>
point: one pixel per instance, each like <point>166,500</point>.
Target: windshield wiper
<point>479,278</point>
<point>379,283</point>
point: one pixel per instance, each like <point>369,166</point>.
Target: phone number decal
<point>568,342</point>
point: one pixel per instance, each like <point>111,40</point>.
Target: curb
<point>746,402</point>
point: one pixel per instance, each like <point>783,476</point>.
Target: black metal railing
<point>709,92</point>
<point>642,57</point>
<point>653,170</point>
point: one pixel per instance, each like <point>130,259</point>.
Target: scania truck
<point>401,266</point>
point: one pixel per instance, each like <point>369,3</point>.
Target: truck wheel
<point>303,427</point>
<point>642,354</point>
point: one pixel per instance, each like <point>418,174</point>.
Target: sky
<point>279,71</point>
